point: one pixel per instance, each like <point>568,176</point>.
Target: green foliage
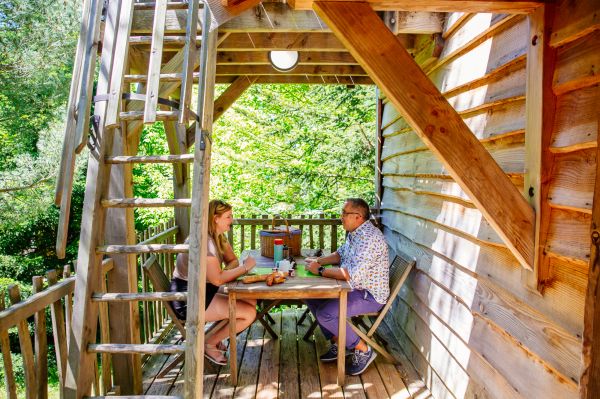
<point>295,148</point>
<point>152,180</point>
<point>37,40</point>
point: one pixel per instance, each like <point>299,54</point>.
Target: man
<point>364,262</point>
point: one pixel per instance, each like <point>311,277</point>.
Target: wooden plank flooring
<point>286,368</point>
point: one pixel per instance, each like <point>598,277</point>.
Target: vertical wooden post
<point>539,108</point>
<point>242,236</point>
<point>310,233</point>
<point>68,303</point>
<point>146,285</point>
<point>194,352</point>
<point>105,338</point>
<point>589,383</point>
<point>333,237</point>
<point>41,344</point>
<point>58,328</point>
<point>9,376</point>
<point>26,348</point>
<point>321,233</point>
<point>253,235</point>
<point>230,236</point>
<point>302,231</point>
<point>378,150</point>
<point>120,229</point>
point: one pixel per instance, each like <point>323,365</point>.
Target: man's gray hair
<point>361,206</point>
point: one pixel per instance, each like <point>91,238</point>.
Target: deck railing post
<point>26,347</point>
<point>41,344</point>
<point>9,376</point>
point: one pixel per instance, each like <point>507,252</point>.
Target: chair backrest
<point>399,270</point>
<point>160,282</point>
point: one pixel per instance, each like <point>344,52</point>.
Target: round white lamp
<point>284,61</point>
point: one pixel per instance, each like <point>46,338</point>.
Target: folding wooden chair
<point>160,282</point>
<point>399,270</point>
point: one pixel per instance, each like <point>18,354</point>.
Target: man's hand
<point>313,266</point>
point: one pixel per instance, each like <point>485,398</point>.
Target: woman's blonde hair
<point>217,208</point>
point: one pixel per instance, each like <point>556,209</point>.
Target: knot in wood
<point>596,238</point>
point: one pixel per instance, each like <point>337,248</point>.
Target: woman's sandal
<point>216,355</point>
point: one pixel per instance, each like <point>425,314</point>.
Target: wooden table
<point>292,288</point>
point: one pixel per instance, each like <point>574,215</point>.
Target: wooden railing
<point>57,297</point>
<point>318,231</point>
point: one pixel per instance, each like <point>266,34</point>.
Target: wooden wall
<point>465,319</point>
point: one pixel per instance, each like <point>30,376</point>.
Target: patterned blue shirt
<point>365,256</point>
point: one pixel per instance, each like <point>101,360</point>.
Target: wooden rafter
<point>303,79</point>
<point>305,58</point>
<point>301,41</point>
<point>221,13</point>
<point>280,17</point>
<point>496,6</point>
<point>435,121</point>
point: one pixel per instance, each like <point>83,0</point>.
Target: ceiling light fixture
<point>284,61</point>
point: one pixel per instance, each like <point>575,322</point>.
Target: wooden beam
<point>435,121</point>
<point>221,13</point>
<point>316,70</point>
<point>233,92</point>
<point>305,58</point>
<point>303,79</point>
<point>281,17</point>
<point>540,107</point>
<point>496,6</point>
<point>421,23</point>
<point>589,383</point>
<point>313,41</point>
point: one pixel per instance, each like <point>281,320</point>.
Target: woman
<point>220,253</point>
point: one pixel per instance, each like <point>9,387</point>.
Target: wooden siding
<point>465,319</point>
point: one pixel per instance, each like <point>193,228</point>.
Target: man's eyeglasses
<point>344,213</point>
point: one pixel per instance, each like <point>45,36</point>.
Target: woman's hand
<point>249,264</point>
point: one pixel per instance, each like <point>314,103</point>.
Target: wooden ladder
<point>118,119</point>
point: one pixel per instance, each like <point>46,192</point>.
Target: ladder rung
<point>167,40</point>
<point>139,115</point>
<point>143,249</point>
<point>134,397</point>
<point>135,348</point>
<point>122,159</point>
<point>145,202</point>
<point>171,5</point>
<point>164,77</point>
<point>139,296</point>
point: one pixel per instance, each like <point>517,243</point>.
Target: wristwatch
<point>321,270</point>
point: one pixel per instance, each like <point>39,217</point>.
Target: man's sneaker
<point>330,355</point>
<point>360,361</point>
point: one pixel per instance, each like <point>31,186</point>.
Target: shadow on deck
<point>286,368</point>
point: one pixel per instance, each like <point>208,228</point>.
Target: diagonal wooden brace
<point>435,121</point>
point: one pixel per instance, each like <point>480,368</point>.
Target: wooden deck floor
<point>287,368</point>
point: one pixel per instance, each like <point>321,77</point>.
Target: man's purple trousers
<point>327,312</point>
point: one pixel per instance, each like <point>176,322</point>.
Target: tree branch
<point>13,189</point>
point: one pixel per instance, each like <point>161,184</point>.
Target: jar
<point>286,252</point>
